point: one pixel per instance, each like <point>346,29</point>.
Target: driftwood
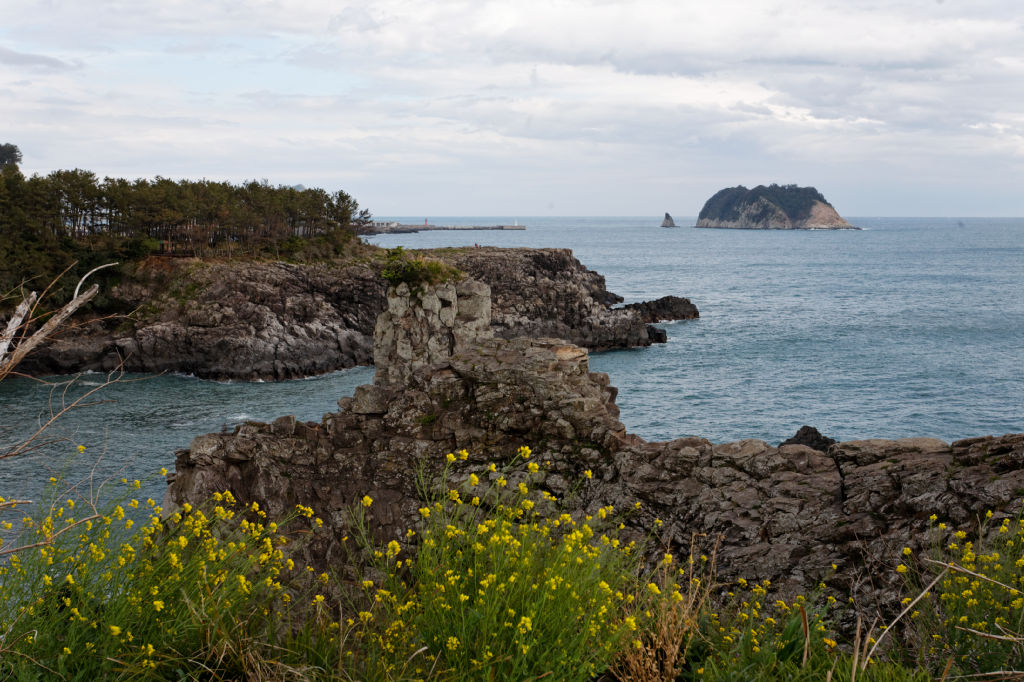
<point>9,358</point>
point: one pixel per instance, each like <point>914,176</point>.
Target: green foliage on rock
<point>416,271</point>
<point>728,204</point>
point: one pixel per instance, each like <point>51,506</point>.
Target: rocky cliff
<point>445,382</point>
<point>774,207</point>
<point>253,321</point>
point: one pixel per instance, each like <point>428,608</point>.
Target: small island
<point>775,207</point>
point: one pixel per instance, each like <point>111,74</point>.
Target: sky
<point>531,107</point>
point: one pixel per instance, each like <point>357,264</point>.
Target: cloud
<point>379,93</point>
<point>34,61</point>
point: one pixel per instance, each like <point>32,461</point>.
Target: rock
<point>539,293</point>
<point>784,514</point>
<point>665,308</point>
<point>775,207</point>
<point>259,321</point>
<point>668,222</point>
<point>811,437</point>
<point>413,334</point>
<point>657,334</point>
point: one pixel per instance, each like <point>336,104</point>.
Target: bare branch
<point>50,540</point>
<point>15,322</point>
<point>9,360</point>
<point>904,612</point>
<point>86,276</point>
<point>65,407</point>
<point>960,569</point>
<point>989,635</point>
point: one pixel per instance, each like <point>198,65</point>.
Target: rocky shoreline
<point>792,514</point>
<point>250,321</point>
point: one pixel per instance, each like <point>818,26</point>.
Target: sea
<point>908,327</point>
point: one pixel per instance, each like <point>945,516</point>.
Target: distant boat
<point>668,222</point>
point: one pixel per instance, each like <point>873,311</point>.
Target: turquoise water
<point>913,326</point>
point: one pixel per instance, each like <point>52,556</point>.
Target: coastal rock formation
<point>668,222</point>
<point>239,321</point>
<point>444,383</point>
<point>775,207</point>
<point>665,308</point>
<point>272,321</point>
<point>811,437</point>
<point>549,293</point>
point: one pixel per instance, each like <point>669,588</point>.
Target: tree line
<point>197,216</point>
<point>47,222</point>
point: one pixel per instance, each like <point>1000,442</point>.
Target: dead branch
<point>9,359</point>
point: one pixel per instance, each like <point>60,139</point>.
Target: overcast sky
<point>531,107</point>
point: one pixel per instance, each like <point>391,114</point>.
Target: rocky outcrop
<point>665,308</point>
<point>784,513</point>
<point>667,221</point>
<point>774,207</point>
<point>811,437</point>
<point>548,293</point>
<point>239,321</point>
<point>272,321</point>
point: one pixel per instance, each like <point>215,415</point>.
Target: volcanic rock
<point>258,321</point>
<point>786,514</point>
<point>811,437</point>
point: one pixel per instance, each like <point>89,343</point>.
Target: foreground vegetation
<point>497,582</point>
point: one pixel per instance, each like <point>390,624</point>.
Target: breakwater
<point>385,227</point>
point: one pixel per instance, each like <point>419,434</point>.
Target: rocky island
<point>775,207</point>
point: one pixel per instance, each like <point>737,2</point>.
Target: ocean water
<point>911,327</point>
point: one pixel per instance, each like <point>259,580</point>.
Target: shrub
<point>119,599</point>
<point>416,271</point>
<point>973,619</point>
<point>504,586</point>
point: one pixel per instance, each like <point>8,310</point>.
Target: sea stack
<point>775,207</point>
<point>668,222</point>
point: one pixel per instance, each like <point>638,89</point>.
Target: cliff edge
<point>775,207</point>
